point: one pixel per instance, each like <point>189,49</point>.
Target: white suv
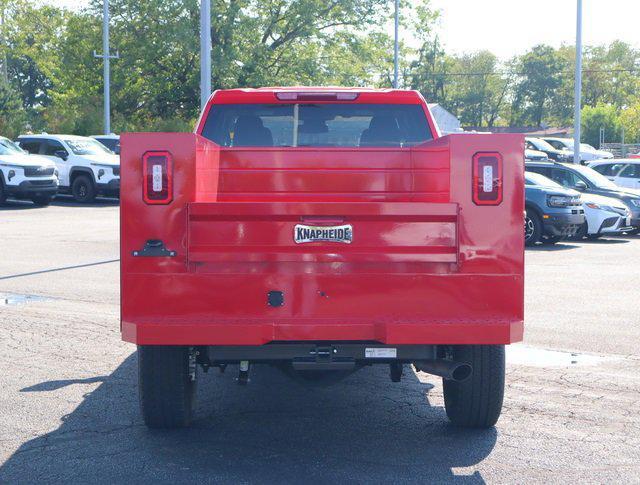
<point>624,172</point>
<point>85,166</point>
<point>24,176</point>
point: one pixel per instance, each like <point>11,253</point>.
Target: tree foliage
<point>58,82</point>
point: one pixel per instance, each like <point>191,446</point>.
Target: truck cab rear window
<point>317,125</point>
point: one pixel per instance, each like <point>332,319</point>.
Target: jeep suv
<point>86,168</point>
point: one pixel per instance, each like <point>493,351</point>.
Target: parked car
<point>593,153</point>
<point>604,215</point>
<point>533,143</point>
<point>624,172</point>
<point>535,155</point>
<point>24,176</point>
<point>587,180</point>
<point>86,168</point>
<point>587,152</point>
<point>551,211</point>
<point>112,142</point>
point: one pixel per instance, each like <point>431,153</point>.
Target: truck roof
<point>360,95</point>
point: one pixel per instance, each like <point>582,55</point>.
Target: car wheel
<point>42,200</point>
<point>581,233</point>
<point>83,189</point>
<point>167,385</point>
<point>477,401</point>
<point>593,237</point>
<point>532,228</point>
<point>3,193</point>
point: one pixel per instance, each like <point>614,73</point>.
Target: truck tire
<point>532,228</point>
<point>167,390</point>
<point>477,401</point>
<point>581,233</point>
<point>42,200</point>
<point>83,189</point>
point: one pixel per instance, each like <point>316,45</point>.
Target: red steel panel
<point>426,264</point>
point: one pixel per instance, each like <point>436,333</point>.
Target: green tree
<point>539,76</point>
<point>12,115</point>
<point>595,118</point>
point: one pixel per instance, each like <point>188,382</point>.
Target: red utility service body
<point>436,255</point>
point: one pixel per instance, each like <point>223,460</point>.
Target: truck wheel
<point>83,189</point>
<point>477,401</point>
<point>167,385</point>
<point>42,200</point>
<point>532,228</point>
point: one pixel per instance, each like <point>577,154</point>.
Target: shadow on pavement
<point>561,246</point>
<point>68,201</point>
<point>364,429</point>
<point>12,205</point>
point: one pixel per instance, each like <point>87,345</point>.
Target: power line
<point>516,73</point>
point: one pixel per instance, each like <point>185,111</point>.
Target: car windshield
<point>532,178</point>
<point>7,147</point>
<point>317,125</point>
<point>595,178</point>
<point>87,146</point>
<point>541,144</point>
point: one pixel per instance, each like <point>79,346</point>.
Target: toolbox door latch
<point>153,248</point>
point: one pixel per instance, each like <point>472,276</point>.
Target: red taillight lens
<point>157,170</point>
<point>487,178</point>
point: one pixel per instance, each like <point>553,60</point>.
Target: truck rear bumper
<point>440,333</point>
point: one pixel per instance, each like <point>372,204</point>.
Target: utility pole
<point>106,57</point>
<point>395,46</point>
<point>578,87</point>
<point>205,52</point>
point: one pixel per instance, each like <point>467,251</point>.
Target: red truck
<point>321,230</point>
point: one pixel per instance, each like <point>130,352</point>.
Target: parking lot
<point>69,406</point>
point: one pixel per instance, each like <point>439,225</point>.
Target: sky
<point>510,27</point>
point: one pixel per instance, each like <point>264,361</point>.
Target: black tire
<point>593,237</point>
<point>581,233</point>
<point>42,200</point>
<point>3,193</point>
<point>167,390</point>
<point>83,189</point>
<point>477,401</point>
<point>532,228</point>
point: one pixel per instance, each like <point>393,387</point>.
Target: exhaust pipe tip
<point>461,373</point>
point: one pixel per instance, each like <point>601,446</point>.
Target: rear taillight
<point>487,178</point>
<point>157,170</point>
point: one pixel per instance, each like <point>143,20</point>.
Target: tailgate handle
<point>320,220</point>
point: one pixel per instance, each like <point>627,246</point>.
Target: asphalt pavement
<point>68,385</point>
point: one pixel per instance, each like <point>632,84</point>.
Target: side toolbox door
<point>52,149</point>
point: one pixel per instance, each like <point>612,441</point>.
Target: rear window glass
<point>317,125</point>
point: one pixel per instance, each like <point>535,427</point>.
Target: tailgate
<point>322,232</point>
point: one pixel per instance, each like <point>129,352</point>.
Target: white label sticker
<point>157,178</point>
<point>380,353</point>
<point>487,178</point>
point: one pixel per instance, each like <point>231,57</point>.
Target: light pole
<point>578,87</point>
<point>106,57</point>
<point>205,51</point>
<point>395,46</point>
